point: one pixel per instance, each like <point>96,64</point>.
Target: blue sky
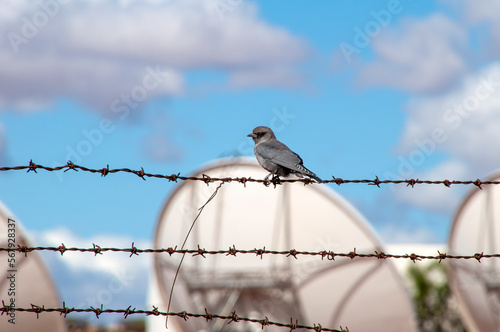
<point>417,98</point>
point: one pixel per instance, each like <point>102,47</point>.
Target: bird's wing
<point>280,154</point>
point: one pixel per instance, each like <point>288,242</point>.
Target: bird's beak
<point>252,135</point>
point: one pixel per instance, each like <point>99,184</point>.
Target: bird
<point>276,157</point>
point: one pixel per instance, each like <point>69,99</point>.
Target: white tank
<point>25,282</point>
<point>476,229</point>
<point>361,294</point>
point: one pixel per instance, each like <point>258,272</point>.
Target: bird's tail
<point>315,177</point>
<point>307,172</point>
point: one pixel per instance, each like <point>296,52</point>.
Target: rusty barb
<point>232,251</point>
<point>233,318</point>
<point>33,167</point>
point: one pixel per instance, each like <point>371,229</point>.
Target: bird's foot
<point>276,180</point>
<point>266,181</point>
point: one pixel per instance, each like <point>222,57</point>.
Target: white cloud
<point>10,10</point>
<point>436,198</point>
<point>393,233</point>
<point>159,147</point>
<point>183,34</point>
<point>158,143</point>
<point>109,262</point>
<point>478,12</point>
<point>462,123</point>
<point>114,280</point>
<point>3,145</point>
<point>94,51</point>
<point>421,55</point>
<point>266,76</point>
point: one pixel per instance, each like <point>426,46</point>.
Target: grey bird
<point>276,157</point>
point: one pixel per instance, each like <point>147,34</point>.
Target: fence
<point>231,251</point>
<point>207,179</point>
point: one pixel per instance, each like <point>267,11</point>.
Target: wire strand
<point>32,167</point>
<point>200,210</point>
<point>232,251</point>
<point>155,312</point>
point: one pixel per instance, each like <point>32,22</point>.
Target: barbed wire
<point>232,251</point>
<point>208,179</point>
<point>5,309</point>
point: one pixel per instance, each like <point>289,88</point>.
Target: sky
<point>394,89</point>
